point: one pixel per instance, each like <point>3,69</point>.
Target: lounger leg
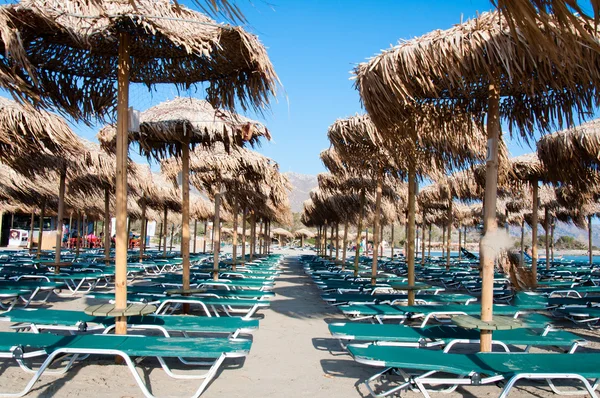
<point>548,377</point>
<point>377,376</point>
<point>35,377</point>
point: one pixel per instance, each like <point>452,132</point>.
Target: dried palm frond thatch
<point>568,18</point>
<point>304,232</point>
<point>446,69</point>
<point>166,127</point>
<point>46,41</point>
<point>572,156</point>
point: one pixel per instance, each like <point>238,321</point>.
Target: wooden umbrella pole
<point>331,241</point>
<point>443,239</point>
<point>41,231</point>
<point>487,250</point>
<point>423,243</point>
<point>268,242</point>
<point>324,240</point>
<point>359,230</point>
<point>171,237</point>
<point>459,241</point>
<point>449,236</point>
<point>534,233</point>
<point>165,226</point>
<point>60,215</point>
<point>205,236</point>
<point>121,185</point>
<point>195,235</point>
<point>143,231</point>
<point>376,226</point>
<point>392,242</point>
<point>235,234</point>
<point>70,225</point>
<point>381,240</point>
<point>252,234</point>
<point>412,194</point>
<point>31,231</point>
<point>318,240</point>
<point>160,229</point>
<point>78,240</point>
<point>337,241</point>
<point>185,209</point>
<point>429,244</point>
<point>345,245</point>
<point>367,239</point>
<point>465,237</point>
<point>146,232</point>
<point>84,230</point>
<point>244,216</point>
<point>522,242</point>
<point>106,224</point>
<point>590,239</point>
<point>129,222</point>
<point>406,236</point>
<point>547,232</point>
<point>552,240</point>
<point>216,235</point>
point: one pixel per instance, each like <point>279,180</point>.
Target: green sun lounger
<point>448,336</point>
<point>357,298</point>
<point>384,311</point>
<point>213,351</point>
<point>588,316</point>
<point>168,304</point>
<point>247,294</point>
<point>46,319</point>
<point>421,368</point>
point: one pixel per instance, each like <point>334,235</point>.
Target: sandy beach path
<point>290,355</point>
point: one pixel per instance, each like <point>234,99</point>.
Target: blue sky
<point>314,45</point>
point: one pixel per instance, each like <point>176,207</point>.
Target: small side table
<point>111,311</point>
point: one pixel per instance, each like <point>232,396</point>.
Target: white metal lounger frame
<point>208,376</point>
<point>473,378</point>
<point>167,305</point>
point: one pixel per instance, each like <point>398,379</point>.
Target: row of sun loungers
<point>415,347</point>
<point>51,341</point>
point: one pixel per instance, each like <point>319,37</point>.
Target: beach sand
<point>293,355</point>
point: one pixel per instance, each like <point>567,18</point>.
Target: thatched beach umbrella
<point>357,141</point>
<point>167,43</point>
<point>34,142</point>
<point>171,128</point>
<point>279,232</point>
<point>303,233</point>
<point>527,169</point>
<point>220,167</point>
<point>482,68</point>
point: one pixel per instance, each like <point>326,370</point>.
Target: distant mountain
<point>302,184</point>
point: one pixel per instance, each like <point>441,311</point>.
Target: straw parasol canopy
<point>568,18</point>
<point>45,42</point>
<point>447,67</point>
<point>171,127</point>
<point>572,156</point>
<point>25,131</point>
<point>168,126</point>
<point>303,232</point>
<point>282,232</point>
